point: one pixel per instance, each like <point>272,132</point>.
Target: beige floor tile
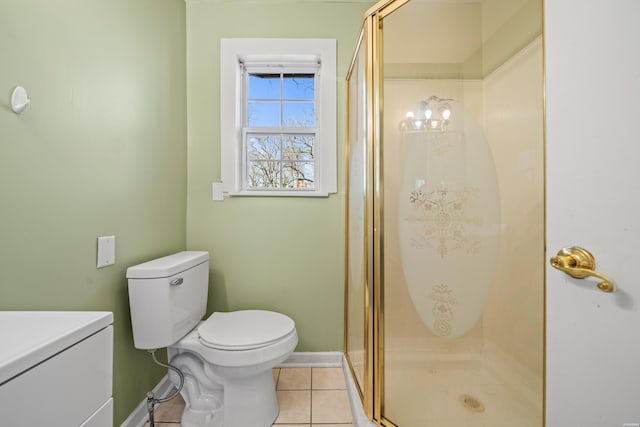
<point>327,379</point>
<point>291,425</point>
<point>295,407</point>
<point>170,411</point>
<point>331,425</point>
<point>276,374</point>
<point>294,379</point>
<point>330,406</point>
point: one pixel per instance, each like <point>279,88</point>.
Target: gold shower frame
<point>371,392</point>
<point>370,40</point>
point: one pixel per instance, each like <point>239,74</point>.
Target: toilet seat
<point>244,329</point>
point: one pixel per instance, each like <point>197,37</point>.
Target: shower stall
<point>444,269</point>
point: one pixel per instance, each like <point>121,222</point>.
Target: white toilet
<point>227,359</point>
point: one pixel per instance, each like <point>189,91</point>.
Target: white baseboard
<point>139,416</point>
<point>357,411</point>
<point>328,359</point>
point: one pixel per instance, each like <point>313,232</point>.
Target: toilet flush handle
<point>176,282</point>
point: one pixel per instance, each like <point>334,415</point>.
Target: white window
<point>278,117</point>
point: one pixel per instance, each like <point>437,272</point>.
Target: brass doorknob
<point>580,263</point>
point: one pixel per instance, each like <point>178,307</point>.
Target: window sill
<point>279,194</point>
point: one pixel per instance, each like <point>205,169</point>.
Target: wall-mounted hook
<point>19,100</point>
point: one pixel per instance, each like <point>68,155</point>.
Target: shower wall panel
<point>358,241</point>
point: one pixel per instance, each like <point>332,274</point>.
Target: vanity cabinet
<point>56,369</point>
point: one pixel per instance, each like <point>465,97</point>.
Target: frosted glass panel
<point>356,223</point>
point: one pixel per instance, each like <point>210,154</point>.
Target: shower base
<point>460,390</point>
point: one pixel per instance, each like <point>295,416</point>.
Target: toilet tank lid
<point>167,266</point>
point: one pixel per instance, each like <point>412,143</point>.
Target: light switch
<point>217,191</point>
<point>106,251</point>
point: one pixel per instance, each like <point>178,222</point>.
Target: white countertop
<point>30,337</point>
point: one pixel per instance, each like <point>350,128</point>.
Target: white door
<point>593,201</point>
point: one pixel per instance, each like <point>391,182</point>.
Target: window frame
<point>278,131</point>
<point>279,56</point>
<point>309,67</point>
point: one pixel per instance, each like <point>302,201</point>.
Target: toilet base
<point>192,418</point>
<point>227,396</point>
<point>251,401</point>
<point>210,401</point>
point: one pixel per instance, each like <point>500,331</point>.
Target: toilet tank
<point>167,298</point>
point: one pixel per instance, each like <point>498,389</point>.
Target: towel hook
<point>19,100</point>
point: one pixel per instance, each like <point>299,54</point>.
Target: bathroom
<point>122,138</point>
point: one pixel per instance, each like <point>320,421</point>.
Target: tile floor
<point>308,397</point>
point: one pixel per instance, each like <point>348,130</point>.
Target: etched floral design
<point>443,219</point>
<point>442,309</point>
<point>443,143</point>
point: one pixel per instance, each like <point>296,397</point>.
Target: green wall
<point>283,254</point>
<point>101,151</point>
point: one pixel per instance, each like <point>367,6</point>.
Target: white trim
<point>284,1</point>
<point>330,359</point>
<point>232,51</point>
<point>139,415</point>
<point>301,193</point>
<point>357,411</point>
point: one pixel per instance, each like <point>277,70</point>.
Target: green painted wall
<point>102,150</point>
<point>283,254</point>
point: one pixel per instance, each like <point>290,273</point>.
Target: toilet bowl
<point>226,360</point>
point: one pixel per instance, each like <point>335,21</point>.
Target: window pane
<point>264,86</point>
<point>299,86</point>
<point>299,114</point>
<point>263,114</point>
<point>264,147</point>
<point>298,175</point>
<point>263,174</point>
<point>298,147</point>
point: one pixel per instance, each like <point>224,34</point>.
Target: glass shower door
<point>444,269</point>
<point>357,225</point>
<point>461,247</point>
